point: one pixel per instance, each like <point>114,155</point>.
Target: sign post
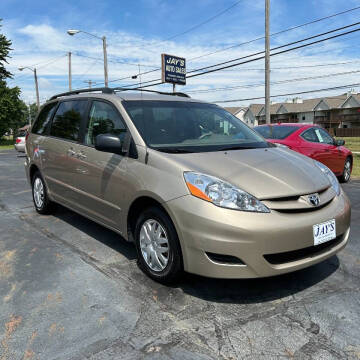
<point>173,70</point>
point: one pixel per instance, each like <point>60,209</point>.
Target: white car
<point>20,141</point>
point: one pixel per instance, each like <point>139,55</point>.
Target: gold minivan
<point>190,184</point>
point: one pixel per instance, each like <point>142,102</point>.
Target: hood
<point>264,173</point>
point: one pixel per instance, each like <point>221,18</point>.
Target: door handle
<point>71,152</point>
<point>81,155</point>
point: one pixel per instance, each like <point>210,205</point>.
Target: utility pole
<point>37,90</point>
<point>21,68</point>
<point>69,57</point>
<point>72,32</point>
<point>105,62</point>
<point>267,62</point>
<point>90,83</point>
<point>29,114</point>
<point>140,76</point>
<point>173,88</point>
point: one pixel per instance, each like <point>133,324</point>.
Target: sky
<point>138,31</point>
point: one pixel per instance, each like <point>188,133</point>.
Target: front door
<point>329,154</point>
<point>101,175</point>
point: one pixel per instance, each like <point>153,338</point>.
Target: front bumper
<point>205,228</point>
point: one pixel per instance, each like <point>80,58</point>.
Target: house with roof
<point>237,111</point>
<point>342,111</point>
<point>251,114</point>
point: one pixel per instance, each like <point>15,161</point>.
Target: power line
<point>278,47</point>
<point>273,83</point>
<point>277,53</point>
<point>256,39</point>
<point>290,94</point>
<point>297,67</point>
<point>204,22</point>
<point>278,33</point>
<point>260,57</point>
<point>197,25</point>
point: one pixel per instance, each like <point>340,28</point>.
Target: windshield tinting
<point>175,126</point>
<point>276,131</point>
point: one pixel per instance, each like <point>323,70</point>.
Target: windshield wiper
<point>174,150</point>
<point>225,148</point>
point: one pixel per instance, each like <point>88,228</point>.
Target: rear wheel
<point>345,177</point>
<point>43,205</point>
<point>157,245</point>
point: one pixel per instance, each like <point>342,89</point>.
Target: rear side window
<point>43,119</point>
<point>264,131</point>
<point>67,120</point>
<point>276,132</point>
<point>310,135</point>
<point>324,137</point>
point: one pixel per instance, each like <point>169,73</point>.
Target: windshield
<point>278,132</point>
<point>174,126</point>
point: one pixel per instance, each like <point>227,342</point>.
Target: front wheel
<point>43,205</point>
<point>158,247</point>
<point>345,177</point>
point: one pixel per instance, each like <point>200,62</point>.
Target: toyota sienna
<point>190,184</point>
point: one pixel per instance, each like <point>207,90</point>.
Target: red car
<point>312,141</point>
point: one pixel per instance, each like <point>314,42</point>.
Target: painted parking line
<point>22,192</point>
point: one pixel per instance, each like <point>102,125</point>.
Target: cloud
<point>45,46</point>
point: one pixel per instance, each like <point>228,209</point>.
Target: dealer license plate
<point>324,232</point>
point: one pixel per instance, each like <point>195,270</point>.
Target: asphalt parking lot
<point>71,289</point>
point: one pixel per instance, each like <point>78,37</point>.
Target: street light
<point>73,32</point>
<point>21,68</point>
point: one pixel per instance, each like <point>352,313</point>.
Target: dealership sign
<point>173,69</point>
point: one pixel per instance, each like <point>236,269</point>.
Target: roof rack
<point>107,90</point>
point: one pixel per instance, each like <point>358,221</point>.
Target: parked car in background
<point>312,141</point>
<point>20,141</point>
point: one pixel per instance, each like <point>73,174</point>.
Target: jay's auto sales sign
<point>173,69</point>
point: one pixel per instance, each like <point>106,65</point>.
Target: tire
<point>155,235</point>
<point>345,177</point>
<point>43,205</point>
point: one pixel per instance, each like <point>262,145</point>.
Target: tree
<point>4,53</point>
<point>13,111</point>
<point>33,112</point>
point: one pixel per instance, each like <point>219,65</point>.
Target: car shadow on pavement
<point>238,291</point>
<point>96,231</point>
<point>247,291</point>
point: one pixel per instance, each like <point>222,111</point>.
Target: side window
<point>103,119</point>
<point>43,119</point>
<point>324,137</point>
<point>66,122</point>
<point>264,131</point>
<point>310,135</point>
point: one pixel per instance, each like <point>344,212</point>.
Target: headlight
<point>330,175</point>
<point>221,193</point>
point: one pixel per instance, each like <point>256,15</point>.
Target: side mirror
<point>339,142</point>
<point>109,143</point>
